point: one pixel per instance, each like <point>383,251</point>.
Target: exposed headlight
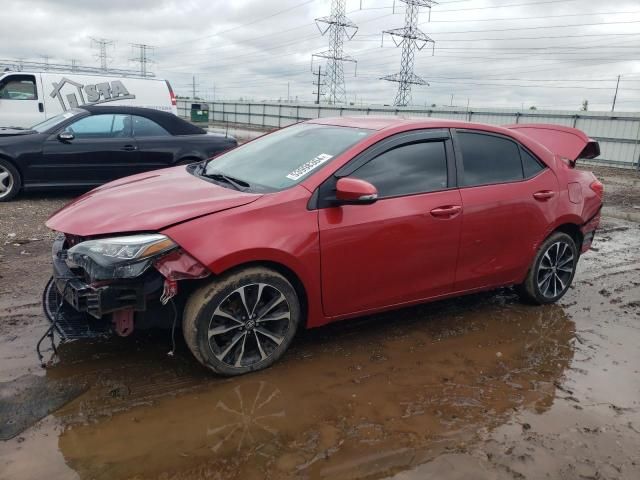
<point>119,257</point>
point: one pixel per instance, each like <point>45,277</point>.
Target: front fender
<point>278,228</point>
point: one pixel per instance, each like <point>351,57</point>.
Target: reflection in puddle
<point>363,398</point>
<point>248,418</point>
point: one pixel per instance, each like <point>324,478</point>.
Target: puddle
<point>349,400</point>
<point>481,384</point>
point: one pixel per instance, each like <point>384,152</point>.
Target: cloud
<point>488,52</point>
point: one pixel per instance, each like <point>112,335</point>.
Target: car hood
<point>13,132</point>
<point>145,202</point>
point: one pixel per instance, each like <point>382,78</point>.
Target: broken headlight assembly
<point>119,257</point>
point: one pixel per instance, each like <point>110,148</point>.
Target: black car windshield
<point>53,122</point>
<point>286,157</point>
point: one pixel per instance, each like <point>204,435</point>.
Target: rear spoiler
<point>567,142</point>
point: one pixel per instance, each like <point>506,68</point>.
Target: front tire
<point>10,181</point>
<point>242,322</point>
<point>552,271</point>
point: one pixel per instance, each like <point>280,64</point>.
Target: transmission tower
<point>338,27</point>
<point>411,38</point>
<point>101,44</point>
<point>143,56</point>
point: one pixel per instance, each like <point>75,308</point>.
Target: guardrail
<point>617,133</point>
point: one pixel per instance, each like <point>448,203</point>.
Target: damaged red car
<point>322,221</point>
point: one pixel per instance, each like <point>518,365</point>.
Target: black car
<point>92,145</point>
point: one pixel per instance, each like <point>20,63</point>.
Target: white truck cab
<point>28,98</point>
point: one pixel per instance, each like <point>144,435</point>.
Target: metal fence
<point>617,133</point>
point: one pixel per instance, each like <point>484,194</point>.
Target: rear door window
<point>489,159</point>
<point>144,127</point>
<point>530,164</point>
<point>407,169</point>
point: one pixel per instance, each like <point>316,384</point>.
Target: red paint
<point>123,323</point>
<point>145,202</point>
<point>353,190</point>
<point>355,259</point>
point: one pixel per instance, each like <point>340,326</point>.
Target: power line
<point>143,56</point>
<point>338,28</point>
<point>410,38</point>
<point>101,44</point>
<point>258,20</point>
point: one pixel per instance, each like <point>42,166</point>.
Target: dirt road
<point>479,387</point>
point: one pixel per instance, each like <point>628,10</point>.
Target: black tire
<point>10,181</point>
<point>263,337</point>
<point>552,271</point>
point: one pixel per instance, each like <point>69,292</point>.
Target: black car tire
<point>11,183</point>
<point>249,335</point>
<point>558,257</point>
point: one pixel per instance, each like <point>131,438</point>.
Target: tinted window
<point>530,164</point>
<point>488,159</point>
<point>408,169</point>
<point>18,87</point>
<point>143,127</point>
<point>101,126</point>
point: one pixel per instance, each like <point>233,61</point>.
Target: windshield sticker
<point>302,170</point>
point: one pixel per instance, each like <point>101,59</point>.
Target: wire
<point>245,24</point>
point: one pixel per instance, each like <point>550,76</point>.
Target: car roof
<point>170,122</point>
<point>383,122</point>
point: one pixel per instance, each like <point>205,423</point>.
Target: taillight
<point>597,187</point>
<point>174,101</point>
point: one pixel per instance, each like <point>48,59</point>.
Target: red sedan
<point>322,221</point>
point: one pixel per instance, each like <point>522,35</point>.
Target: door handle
<point>129,148</point>
<point>40,107</point>
<point>544,195</point>
<point>447,211</point>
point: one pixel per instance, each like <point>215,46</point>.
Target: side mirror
<point>66,136</point>
<point>353,191</point>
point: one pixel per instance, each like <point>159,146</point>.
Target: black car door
<point>99,148</point>
<point>158,148</point>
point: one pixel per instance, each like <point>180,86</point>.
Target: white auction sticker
<point>302,170</point>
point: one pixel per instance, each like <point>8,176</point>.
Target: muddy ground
<point>478,387</point>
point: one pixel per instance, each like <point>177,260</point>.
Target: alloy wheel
<point>6,182</point>
<point>249,325</point>
<point>556,270</point>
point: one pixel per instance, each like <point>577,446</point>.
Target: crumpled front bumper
<point>100,299</point>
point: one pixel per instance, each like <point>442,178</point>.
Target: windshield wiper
<point>238,184</point>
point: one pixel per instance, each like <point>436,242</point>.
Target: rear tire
<point>552,271</point>
<point>242,322</point>
<point>10,181</point>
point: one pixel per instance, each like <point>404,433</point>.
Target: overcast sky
<point>490,53</point>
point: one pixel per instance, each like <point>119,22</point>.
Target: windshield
<point>284,158</point>
<point>52,122</point>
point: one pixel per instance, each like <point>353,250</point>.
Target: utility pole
<point>143,56</point>
<point>193,86</point>
<point>411,38</point>
<point>101,44</point>
<point>319,84</point>
<point>338,27</point>
<point>74,65</point>
<point>615,97</point>
<point>46,62</point>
